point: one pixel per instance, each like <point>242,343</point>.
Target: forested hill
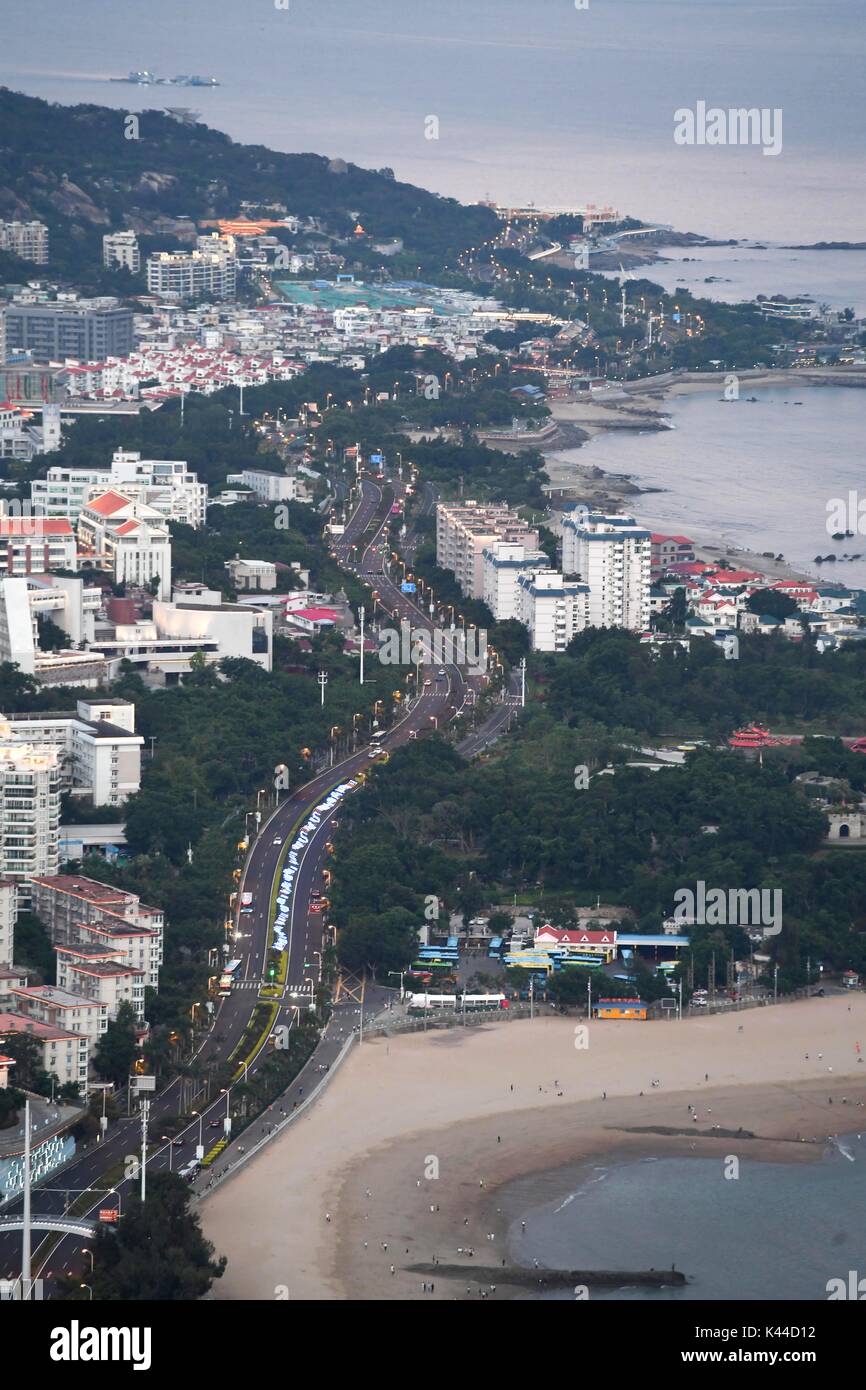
<point>73,168</point>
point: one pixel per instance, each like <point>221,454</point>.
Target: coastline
<point>404,1109</point>
<point>635,407</point>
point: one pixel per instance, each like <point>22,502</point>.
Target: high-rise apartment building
<point>612,554</point>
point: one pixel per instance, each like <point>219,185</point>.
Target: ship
<point>145,78</point>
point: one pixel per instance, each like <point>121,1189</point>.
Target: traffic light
<point>272,970</point>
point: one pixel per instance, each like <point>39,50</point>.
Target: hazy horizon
<point>536,102</point>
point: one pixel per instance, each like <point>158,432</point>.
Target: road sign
<point>377,458</point>
<point>407,587</point>
<point>143,1083</point>
<point>109,1215</point>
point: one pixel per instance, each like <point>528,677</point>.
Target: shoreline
<point>430,1127</point>
<point>586,482</point>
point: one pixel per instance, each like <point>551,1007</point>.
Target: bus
<point>427,1003</point>
<point>494,947</point>
<point>419,966</point>
<point>483,1003</point>
<point>228,977</point>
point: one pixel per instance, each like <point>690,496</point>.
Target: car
<point>215,1124</point>
<point>175,1143</point>
<point>278,839</point>
<point>441,671</point>
<point>315,907</point>
<point>315,893</point>
<point>426,683</point>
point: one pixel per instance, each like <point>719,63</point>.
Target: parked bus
<point>494,947</point>
<point>459,1003</point>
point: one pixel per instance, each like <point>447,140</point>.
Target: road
<point>362,550</point>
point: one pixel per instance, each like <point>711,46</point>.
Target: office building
<point>89,329</point>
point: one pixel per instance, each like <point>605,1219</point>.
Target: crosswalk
<point>259,984</point>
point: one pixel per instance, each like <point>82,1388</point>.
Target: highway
<point>362,550</point>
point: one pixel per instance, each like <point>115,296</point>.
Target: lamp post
<point>89,1291</point>
<point>90,1253</point>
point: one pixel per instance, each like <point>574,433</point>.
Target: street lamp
<point>90,1253</point>
<point>87,1286</point>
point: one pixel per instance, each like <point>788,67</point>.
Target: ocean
<point>539,102</point>
<point>731,274</point>
<point>758,475</point>
<point>778,1231</point>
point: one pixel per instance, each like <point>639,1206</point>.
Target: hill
<point>73,168</point>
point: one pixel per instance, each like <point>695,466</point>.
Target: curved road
<point>361,550</point>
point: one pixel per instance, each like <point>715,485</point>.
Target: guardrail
<point>232,1167</point>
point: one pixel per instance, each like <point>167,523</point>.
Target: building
<point>612,554</point>
<point>208,272</point>
<point>620,1008</point>
<point>127,538</point>
<point>228,629</point>
<point>273,487</point>
<point>120,251</point>
<point>92,925</point>
<point>69,604</point>
<point>167,485</point>
<point>99,972</point>
<point>601,944</point>
<point>64,1053</point>
<point>552,608</point>
<point>8,913</point>
<point>35,545</point>
<point>503,562</point>
<point>252,575</point>
<point>90,329</point>
<point>669,550</point>
<point>30,780</point>
<point>29,240</point>
<point>74,1013</point>
<point>97,746</point>
<point>466,530</point>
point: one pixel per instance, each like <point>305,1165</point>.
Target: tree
<point>157,1250</point>
<point>117,1048</point>
<point>29,1072</point>
<point>772,602</point>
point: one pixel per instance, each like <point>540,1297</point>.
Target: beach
<point>402,1159</point>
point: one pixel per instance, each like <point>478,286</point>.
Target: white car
<point>278,839</point>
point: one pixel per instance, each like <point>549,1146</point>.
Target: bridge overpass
<point>69,1225</point>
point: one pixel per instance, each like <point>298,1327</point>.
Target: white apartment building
<point>120,250</point>
<point>612,554</point>
<point>167,485</point>
<point>503,562</point>
<point>209,271</point>
<point>272,487</point>
<point>97,746</point>
<point>64,1054</point>
<point>30,779</point>
<point>8,913</point>
<point>35,545</point>
<point>127,538</point>
<point>100,973</point>
<point>553,609</point>
<point>74,1013</point>
<point>81,911</point>
<point>466,530</point>
<point>26,239</point>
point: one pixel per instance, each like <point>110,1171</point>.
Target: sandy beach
<point>402,1158</point>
